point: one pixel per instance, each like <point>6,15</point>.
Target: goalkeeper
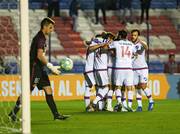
<point>38,75</point>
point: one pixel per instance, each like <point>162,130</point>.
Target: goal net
<point>12,67</point>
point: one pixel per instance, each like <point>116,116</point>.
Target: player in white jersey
<point>100,68</point>
<point>89,72</point>
<point>123,73</point>
<point>140,69</point>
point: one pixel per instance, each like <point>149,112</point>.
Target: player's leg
<point>103,9</point>
<point>123,99</point>
<point>118,80</point>
<point>130,88</point>
<point>51,103</point>
<point>109,98</point>
<point>147,91</point>
<point>87,96</point>
<point>102,91</point>
<point>15,110</point>
<point>90,81</point>
<point>139,99</point>
<point>130,95</point>
<point>44,84</point>
<point>111,89</point>
<point>96,14</point>
<point>148,94</point>
<point>118,95</point>
<point>142,12</point>
<point>102,83</point>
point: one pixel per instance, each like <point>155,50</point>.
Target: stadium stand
<point>164,31</point>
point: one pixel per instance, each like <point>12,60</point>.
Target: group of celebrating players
<point>116,65</point>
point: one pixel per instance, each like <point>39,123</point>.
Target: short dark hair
<point>122,34</point>
<point>135,30</point>
<point>46,21</point>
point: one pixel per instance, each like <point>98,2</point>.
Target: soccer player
<point>89,72</point>
<point>100,67</point>
<point>140,69</point>
<point>123,74</point>
<point>38,75</point>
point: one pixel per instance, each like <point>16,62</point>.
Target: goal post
<point>25,71</point>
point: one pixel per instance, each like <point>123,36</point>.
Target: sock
<point>109,98</point>
<point>102,91</point>
<point>130,98</point>
<point>51,104</point>
<point>139,97</point>
<point>148,93</point>
<point>87,96</point>
<point>16,107</point>
<point>100,104</point>
<point>99,96</point>
<point>123,99</point>
<point>118,96</point>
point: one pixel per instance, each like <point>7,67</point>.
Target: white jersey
<point>139,62</point>
<point>124,50</point>
<point>100,57</point>
<point>89,65</point>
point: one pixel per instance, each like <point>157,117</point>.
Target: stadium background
<point>164,39</point>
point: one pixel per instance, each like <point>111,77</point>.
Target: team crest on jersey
<point>137,47</point>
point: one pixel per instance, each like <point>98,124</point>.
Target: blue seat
<point>3,5</point>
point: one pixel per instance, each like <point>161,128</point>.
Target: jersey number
<point>125,51</point>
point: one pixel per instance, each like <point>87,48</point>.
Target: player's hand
<point>54,69</point>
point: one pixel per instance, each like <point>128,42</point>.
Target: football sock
<point>139,97</point>
<point>109,98</point>
<point>51,104</point>
<point>16,107</point>
<point>100,104</point>
<point>124,99</point>
<point>87,96</point>
<point>147,91</point>
<point>99,96</point>
<point>118,96</point>
<point>130,98</point>
<point>102,91</point>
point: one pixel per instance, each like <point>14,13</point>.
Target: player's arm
<point>143,47</point>
<point>42,58</point>
<point>93,48</point>
<point>144,44</point>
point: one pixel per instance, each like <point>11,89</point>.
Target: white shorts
<point>140,76</point>
<point>101,77</point>
<point>123,77</point>
<point>110,74</point>
<point>89,78</point>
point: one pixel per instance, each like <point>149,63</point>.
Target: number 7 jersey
<point>124,50</point>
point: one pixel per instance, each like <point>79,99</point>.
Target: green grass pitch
<point>165,119</point>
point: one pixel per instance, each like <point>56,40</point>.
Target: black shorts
<point>38,76</point>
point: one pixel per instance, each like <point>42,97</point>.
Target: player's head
<point>47,25</point>
<point>171,57</point>
<point>134,35</point>
<point>122,34</point>
<point>110,36</point>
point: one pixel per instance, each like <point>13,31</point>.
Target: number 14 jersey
<point>124,50</point>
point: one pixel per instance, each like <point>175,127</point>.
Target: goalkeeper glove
<point>54,69</point>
